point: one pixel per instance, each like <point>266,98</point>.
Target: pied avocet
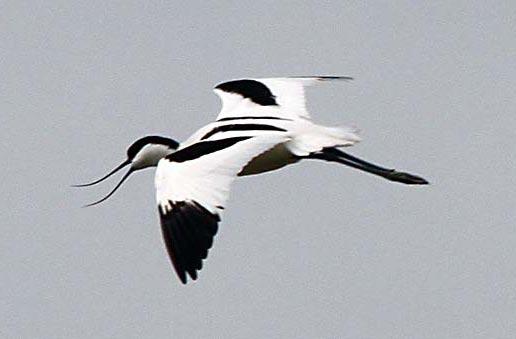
<point>263,125</point>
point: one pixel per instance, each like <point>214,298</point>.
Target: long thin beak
<point>119,167</point>
<point>114,189</point>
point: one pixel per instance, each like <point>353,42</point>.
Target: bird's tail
<point>320,137</point>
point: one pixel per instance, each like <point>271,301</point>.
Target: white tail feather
<point>323,137</point>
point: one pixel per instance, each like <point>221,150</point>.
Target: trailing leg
<point>335,155</point>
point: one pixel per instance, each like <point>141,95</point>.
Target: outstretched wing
<point>280,98</point>
<point>192,186</point>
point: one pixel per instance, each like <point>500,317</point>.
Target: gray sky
<point>314,250</point>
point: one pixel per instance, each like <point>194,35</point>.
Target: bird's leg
<point>335,155</point>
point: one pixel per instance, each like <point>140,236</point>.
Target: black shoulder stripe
<point>251,89</point>
<point>188,231</point>
<point>242,127</point>
<point>257,117</point>
<point>201,148</point>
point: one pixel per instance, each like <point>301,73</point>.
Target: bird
<point>143,153</point>
<point>263,125</point>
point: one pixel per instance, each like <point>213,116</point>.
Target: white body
<point>263,125</point>
<point>267,150</point>
<point>304,137</point>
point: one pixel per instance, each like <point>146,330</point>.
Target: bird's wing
<point>192,186</point>
<point>280,98</point>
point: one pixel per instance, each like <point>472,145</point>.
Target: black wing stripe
<point>250,89</point>
<point>188,230</point>
<point>242,127</point>
<point>201,148</point>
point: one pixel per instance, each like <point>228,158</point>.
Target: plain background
<point>314,250</point>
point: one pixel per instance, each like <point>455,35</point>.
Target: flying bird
<point>143,153</point>
<point>263,125</point>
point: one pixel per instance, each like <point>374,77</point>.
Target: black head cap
<point>150,139</point>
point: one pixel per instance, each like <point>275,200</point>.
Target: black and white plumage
<point>143,153</point>
<point>263,125</point>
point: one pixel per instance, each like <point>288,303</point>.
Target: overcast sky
<point>314,250</point>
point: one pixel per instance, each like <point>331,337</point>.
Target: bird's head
<point>143,153</point>
<point>149,150</point>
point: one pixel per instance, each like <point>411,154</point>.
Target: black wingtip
<point>337,77</point>
<point>182,278</point>
<point>325,77</point>
<point>188,231</point>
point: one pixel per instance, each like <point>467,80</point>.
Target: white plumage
<point>206,180</point>
<point>263,125</point>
